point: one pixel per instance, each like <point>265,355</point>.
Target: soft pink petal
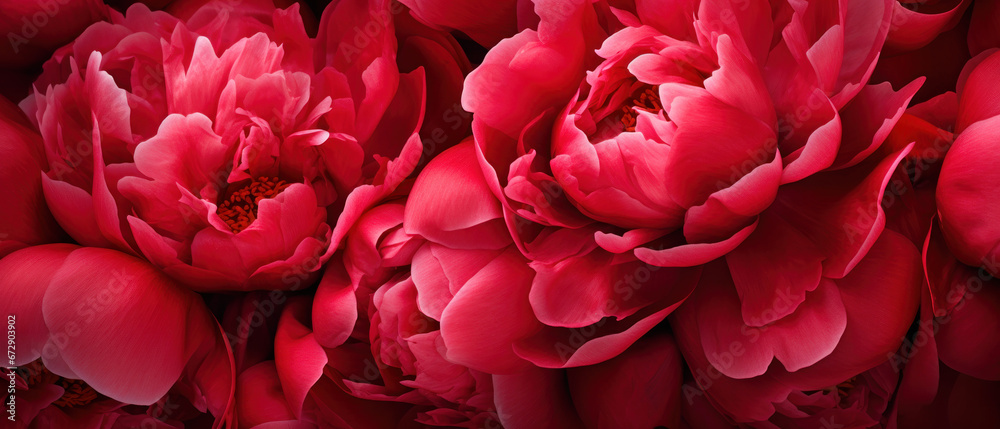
<point>965,193</point>
<point>976,97</point>
<point>880,296</point>
<point>913,29</point>
<point>738,81</point>
<point>797,340</point>
<point>259,398</point>
<point>439,272</point>
<point>689,255</point>
<point>582,290</point>
<point>487,343</point>
<point>693,173</point>
<point>450,203</point>
<point>73,208</point>
<point>485,23</point>
<point>534,70</point>
<point>553,347</point>
<point>773,270</point>
<point>25,218</point>
<point>868,119</point>
<point>116,302</point>
<point>299,358</point>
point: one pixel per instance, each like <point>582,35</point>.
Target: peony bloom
<point>658,143</point>
<point>256,214</point>
<point>471,266</point>
<point>73,304</point>
<point>948,169</point>
<point>24,218</point>
<point>845,328</point>
<point>961,254</point>
<point>950,165</point>
<point>395,328</point>
<point>375,338</point>
<point>222,147</point>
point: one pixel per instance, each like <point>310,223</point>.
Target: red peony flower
<point>376,333</point>
<point>632,214</point>
<point>395,328</point>
<point>223,147</point>
<point>73,305</point>
<point>961,254</point>
<point>685,139</point>
<point>846,327</point>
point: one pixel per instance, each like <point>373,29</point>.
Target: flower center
<point>648,100</point>
<point>240,209</point>
<point>843,389</point>
<point>76,393</point>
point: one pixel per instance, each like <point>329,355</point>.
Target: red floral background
<point>674,214</point>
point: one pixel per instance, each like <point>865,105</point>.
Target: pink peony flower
<point>222,147</point>
<point>958,306</point>
<point>740,133</point>
<point>376,330</point>
<point>73,305</point>
<point>663,213</point>
<point>394,328</point>
<point>848,326</point>
<point>451,206</point>
<point>949,168</point>
<point>960,254</point>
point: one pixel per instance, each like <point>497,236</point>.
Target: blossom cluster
<point>500,214</point>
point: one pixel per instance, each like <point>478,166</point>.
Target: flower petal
<point>105,300</point>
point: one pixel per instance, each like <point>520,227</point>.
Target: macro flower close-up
<point>594,214</point>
